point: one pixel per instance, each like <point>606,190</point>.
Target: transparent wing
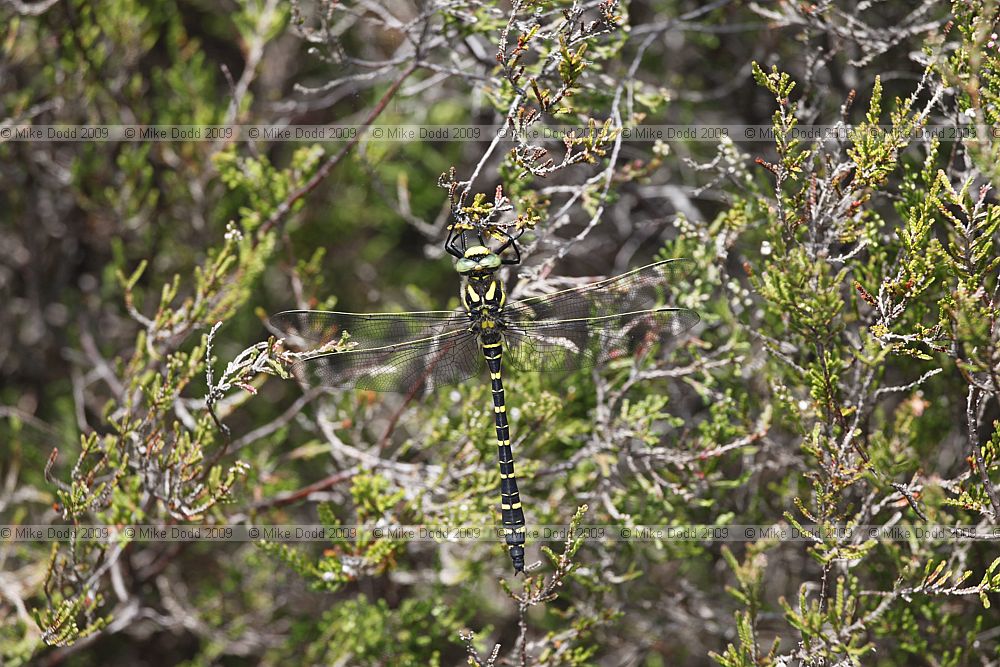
<point>414,366</point>
<point>586,325</point>
<point>566,345</point>
<point>641,289</point>
<point>371,329</point>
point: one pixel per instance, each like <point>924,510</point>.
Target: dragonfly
<point>414,352</point>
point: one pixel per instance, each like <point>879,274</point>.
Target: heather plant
<point>844,373</point>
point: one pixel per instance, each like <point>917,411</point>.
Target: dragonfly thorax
<point>483,298</point>
<point>482,294</point>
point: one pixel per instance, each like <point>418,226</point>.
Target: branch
<point>286,206</point>
<point>972,409</point>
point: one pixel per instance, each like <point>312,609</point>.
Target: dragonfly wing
<point>641,289</point>
<point>567,345</point>
<point>585,325</point>
<point>303,327</point>
<point>413,366</point>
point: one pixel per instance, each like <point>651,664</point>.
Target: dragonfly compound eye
<point>491,261</point>
<point>465,265</point>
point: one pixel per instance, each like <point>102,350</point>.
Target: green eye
<point>465,265</point>
<point>491,261</point>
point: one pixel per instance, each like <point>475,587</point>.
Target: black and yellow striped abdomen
<point>484,298</point>
<point>511,514</point>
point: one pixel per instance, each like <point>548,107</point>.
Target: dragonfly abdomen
<point>511,513</point>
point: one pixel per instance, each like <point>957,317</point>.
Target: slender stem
<point>324,171</point>
<point>303,493</point>
<point>972,410</point>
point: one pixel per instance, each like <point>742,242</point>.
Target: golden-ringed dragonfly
<point>563,331</point>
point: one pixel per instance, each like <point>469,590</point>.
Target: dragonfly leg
<point>511,242</point>
<point>455,236</point>
<point>511,513</point>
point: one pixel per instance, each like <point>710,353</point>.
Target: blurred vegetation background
<point>845,370</point>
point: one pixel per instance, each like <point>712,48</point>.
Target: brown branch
<point>972,408</point>
<point>418,385</point>
<point>324,171</point>
<point>292,497</point>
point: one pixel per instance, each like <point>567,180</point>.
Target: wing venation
<point>416,366</point>
<point>587,325</point>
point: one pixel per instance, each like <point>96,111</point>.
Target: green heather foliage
<point>846,371</point>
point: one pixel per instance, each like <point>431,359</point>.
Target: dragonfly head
<point>478,261</point>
